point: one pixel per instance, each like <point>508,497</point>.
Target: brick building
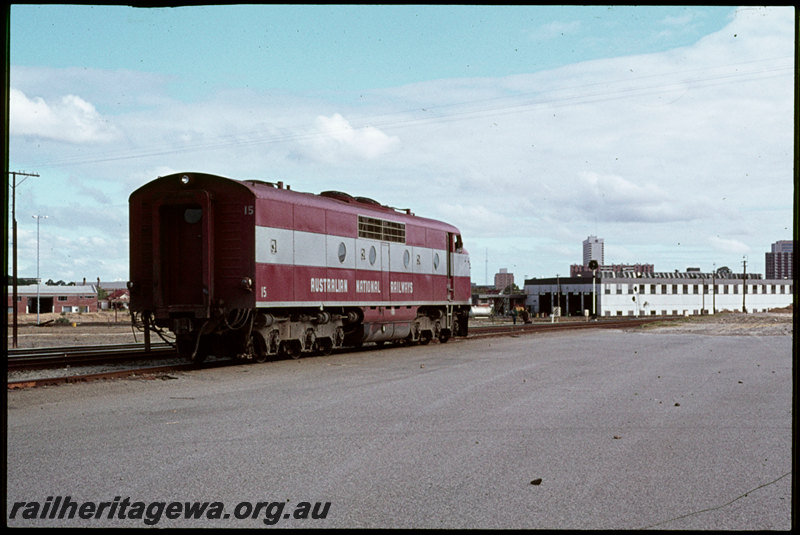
<point>503,280</point>
<point>779,262</point>
<point>59,299</point>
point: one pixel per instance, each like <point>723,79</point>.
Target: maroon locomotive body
<point>254,269</point>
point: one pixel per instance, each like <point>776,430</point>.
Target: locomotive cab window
<point>193,215</point>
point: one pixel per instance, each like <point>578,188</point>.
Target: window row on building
<point>685,289</point>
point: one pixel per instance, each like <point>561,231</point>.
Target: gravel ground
<point>57,330</point>
<point>728,323</point>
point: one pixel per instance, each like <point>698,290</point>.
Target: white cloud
<point>69,119</point>
<point>613,198</point>
<point>334,139</point>
<point>477,219</point>
<point>728,245</point>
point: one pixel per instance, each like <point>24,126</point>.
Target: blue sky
<point>344,48</point>
<point>667,131</point>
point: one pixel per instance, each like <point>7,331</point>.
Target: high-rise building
<point>593,250</point>
<point>779,263</point>
<point>503,280</point>
<point>783,246</point>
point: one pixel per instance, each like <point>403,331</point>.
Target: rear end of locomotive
<point>191,265</point>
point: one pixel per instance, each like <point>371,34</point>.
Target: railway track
<point>131,359</point>
<point>53,357</point>
<point>570,324</point>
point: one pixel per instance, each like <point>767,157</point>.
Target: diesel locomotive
<point>254,270</point>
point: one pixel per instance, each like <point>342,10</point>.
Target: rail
<point>49,357</point>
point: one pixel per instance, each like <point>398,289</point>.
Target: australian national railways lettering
<point>368,287</point>
<point>325,285</point>
<point>398,287</point>
<point>329,285</point>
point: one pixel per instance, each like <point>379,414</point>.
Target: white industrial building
<point>656,294</point>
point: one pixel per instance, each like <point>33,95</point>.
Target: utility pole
<point>486,267</point>
<point>593,265</point>
<point>744,283</point>
<point>14,237</point>
<point>714,290</point>
<point>38,282</point>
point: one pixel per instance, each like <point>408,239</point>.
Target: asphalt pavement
<point>594,429</point>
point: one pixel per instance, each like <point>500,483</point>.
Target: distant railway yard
<point>97,346</point>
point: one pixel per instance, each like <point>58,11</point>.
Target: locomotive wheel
<point>325,346</point>
<point>444,336</point>
<point>425,337</point>
<point>189,344</point>
<point>274,342</point>
<point>258,347</point>
<point>185,345</point>
<point>292,348</point>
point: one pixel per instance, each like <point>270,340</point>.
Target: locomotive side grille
<point>380,229</point>
<point>145,251</point>
<point>395,232</point>
<point>229,246</point>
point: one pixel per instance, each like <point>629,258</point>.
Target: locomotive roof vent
<point>367,200</point>
<point>339,195</point>
<point>376,204</point>
<point>256,182</point>
<point>345,197</point>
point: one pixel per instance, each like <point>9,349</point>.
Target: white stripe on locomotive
<point>309,249</point>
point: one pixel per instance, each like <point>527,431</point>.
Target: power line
<point>504,105</point>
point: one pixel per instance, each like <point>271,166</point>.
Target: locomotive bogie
<point>254,270</point>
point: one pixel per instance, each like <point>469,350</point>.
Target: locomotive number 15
<point>249,210</point>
